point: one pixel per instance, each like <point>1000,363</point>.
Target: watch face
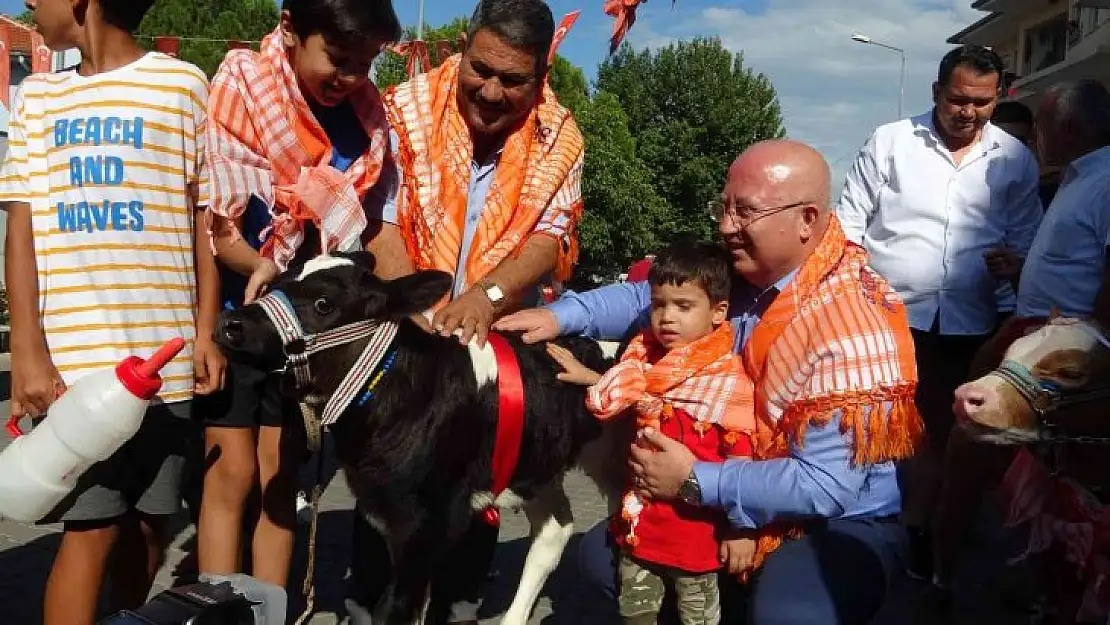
<point>690,492</point>
<point>495,294</point>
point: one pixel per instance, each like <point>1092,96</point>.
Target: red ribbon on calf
<point>510,421</point>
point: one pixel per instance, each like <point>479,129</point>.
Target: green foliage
<point>693,107</point>
<point>624,218</point>
<point>569,84</point>
<point>210,19</point>
<point>5,315</point>
<point>26,17</point>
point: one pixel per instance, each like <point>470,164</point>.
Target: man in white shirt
<point>1067,266</point>
<point>932,198</point>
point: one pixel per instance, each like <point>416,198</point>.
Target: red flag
<point>40,55</point>
<point>561,33</point>
<point>5,68</point>
<point>625,13</point>
<point>168,45</point>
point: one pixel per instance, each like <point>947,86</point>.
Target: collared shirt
<point>927,221</point>
<point>1065,266</point>
<point>553,222</point>
<point>816,480</point>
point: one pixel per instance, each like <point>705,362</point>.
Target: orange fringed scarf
<point>539,167</point>
<point>841,329</point>
<point>704,378</point>
<point>263,140</point>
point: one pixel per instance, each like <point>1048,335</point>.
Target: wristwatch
<point>690,491</point>
<point>492,291</point>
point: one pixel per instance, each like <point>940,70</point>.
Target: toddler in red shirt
<point>682,378</point>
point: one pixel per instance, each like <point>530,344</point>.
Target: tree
<point>209,19</point>
<point>26,17</point>
<point>624,217</point>
<point>692,107</point>
<point>567,80</point>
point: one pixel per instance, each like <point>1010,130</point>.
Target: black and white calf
<point>417,451</point>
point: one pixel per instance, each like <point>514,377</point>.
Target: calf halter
<point>1045,397</point>
<point>299,345</point>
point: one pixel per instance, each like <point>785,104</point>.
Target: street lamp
<point>858,38</point>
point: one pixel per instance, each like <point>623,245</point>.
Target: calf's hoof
<point>356,614</point>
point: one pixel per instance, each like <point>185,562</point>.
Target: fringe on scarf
<point>892,436</point>
<point>874,440</point>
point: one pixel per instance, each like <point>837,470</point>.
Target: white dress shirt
<point>927,221</point>
<point>1065,266</point>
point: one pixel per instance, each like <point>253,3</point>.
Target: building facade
<point>1043,42</point>
<point>19,58</point>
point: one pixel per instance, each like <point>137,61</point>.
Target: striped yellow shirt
<point>112,166</point>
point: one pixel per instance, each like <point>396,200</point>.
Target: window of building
<point>1046,44</point>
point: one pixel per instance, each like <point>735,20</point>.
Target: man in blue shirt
<point>827,344</point>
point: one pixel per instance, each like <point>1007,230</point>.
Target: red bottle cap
<point>141,377</point>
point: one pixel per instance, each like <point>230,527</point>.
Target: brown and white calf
<point>418,452</point>
<point>1053,384</point>
<point>1051,394</point>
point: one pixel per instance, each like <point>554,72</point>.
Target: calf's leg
<point>552,526</point>
<point>405,600</point>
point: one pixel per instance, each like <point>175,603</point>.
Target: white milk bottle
<point>87,424</point>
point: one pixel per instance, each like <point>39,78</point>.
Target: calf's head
<point>326,293</point>
<point>1052,375</point>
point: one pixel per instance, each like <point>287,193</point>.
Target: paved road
<point>27,551</point>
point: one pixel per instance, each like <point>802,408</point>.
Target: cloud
<point>833,91</point>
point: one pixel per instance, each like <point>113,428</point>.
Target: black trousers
<point>943,362</point>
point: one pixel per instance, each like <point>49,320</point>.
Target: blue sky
<point>833,91</point>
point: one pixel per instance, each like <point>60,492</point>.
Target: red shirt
<point>674,533</point>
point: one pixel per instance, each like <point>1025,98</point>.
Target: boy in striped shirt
<point>102,183</point>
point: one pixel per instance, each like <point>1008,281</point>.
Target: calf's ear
<point>418,292</point>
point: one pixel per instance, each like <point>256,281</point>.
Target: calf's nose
<point>970,401</point>
<point>231,331</point>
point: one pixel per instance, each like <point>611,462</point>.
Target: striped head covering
<point>264,140</point>
<point>539,169</point>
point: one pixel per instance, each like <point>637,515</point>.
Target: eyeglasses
<point>744,216</point>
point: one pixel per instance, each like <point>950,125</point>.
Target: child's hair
<point>707,265</point>
<point>124,14</point>
<point>344,22</point>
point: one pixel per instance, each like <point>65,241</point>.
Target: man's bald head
<point>795,170</point>
<point>775,208</point>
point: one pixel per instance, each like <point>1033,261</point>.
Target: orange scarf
<point>841,330</point>
<point>704,378</point>
<point>539,166</point>
<point>264,140</point>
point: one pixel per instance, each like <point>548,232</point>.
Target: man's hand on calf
<point>472,313</point>
<point>537,325</point>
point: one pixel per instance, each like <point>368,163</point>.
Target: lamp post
<point>419,30</point>
<point>858,38</point>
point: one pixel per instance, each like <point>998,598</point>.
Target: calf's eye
<point>323,307</point>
